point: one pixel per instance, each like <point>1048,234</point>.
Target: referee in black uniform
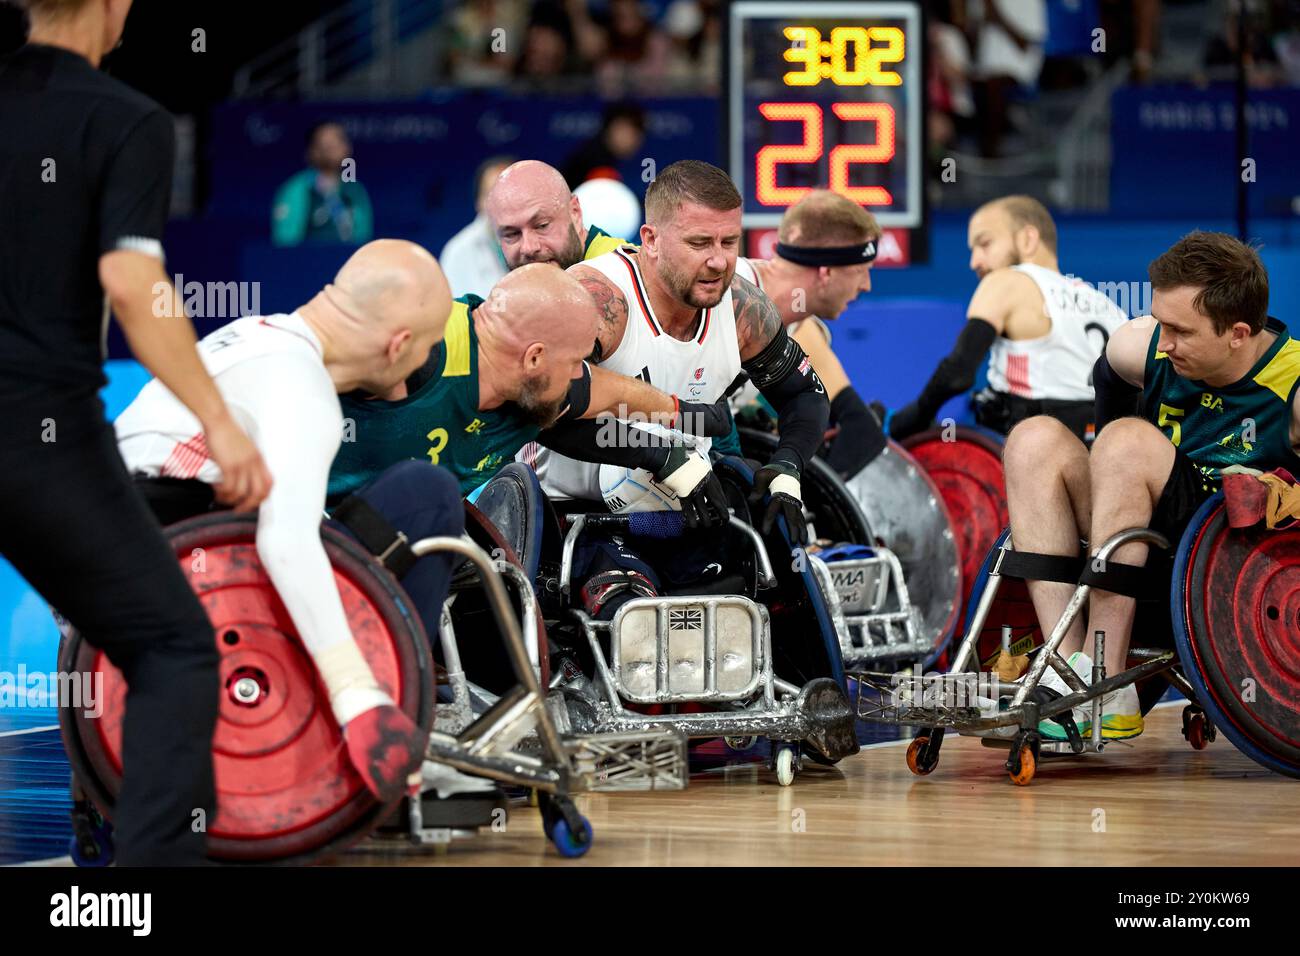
<point>85,180</point>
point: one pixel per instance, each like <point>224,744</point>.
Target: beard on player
<point>685,288</point>
<point>572,253</point>
<point>536,407</point>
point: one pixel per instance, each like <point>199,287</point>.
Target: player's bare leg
<point>1049,500</point>
<point>1130,463</point>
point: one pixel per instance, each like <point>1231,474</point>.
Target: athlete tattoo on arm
<point>757,318</point>
<point>612,306</point>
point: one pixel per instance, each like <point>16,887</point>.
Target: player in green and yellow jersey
<point>508,368</point>
<point>537,219</point>
<point>1206,382</point>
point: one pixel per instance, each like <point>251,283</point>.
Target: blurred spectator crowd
<point>613,48</point>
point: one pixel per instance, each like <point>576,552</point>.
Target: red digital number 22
<point>813,145</point>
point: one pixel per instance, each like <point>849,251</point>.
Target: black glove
<point>703,421</point>
<point>688,475</point>
<point>781,479</point>
<point>908,420</point>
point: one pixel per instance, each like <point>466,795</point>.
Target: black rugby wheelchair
<point>286,790</point>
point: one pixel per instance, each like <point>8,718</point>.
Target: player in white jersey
<point>1042,331</point>
<point>280,375</point>
<point>825,247</point>
<point>675,313</point>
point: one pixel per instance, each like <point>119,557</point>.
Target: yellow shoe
<point>1121,715</point>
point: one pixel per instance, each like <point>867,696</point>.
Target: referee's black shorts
<point>74,526</point>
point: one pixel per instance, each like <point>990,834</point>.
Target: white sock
<point>349,681</point>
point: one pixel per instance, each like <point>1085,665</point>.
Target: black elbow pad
<point>782,370</point>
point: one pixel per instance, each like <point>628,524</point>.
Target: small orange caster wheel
<point>1023,762</point>
<point>1028,765</point>
<point>921,757</point>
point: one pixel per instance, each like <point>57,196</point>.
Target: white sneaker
<point>1081,664</point>
<point>1121,715</point>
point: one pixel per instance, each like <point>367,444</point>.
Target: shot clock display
<point>826,94</point>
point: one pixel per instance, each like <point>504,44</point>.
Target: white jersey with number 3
<point>1058,365</point>
<point>696,370</point>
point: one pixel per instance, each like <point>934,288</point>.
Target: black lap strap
<point>374,531</point>
<point>1027,566</point>
<point>1130,580</point>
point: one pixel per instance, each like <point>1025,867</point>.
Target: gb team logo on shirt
<point>696,388</point>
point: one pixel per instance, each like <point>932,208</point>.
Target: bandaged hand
<point>688,475</point>
<point>780,481</point>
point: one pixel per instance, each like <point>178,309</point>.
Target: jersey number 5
<point>1168,414</point>
<point>439,438</point>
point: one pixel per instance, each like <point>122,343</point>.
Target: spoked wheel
<point>286,790</point>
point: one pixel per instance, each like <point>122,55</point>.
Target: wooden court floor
<point>1152,802</point>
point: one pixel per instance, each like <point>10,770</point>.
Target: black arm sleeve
<point>579,396</point>
<point>860,439</point>
<point>608,441</point>
<point>956,372</point>
<point>1115,398</point>
<point>785,377</point>
<point>137,189</point>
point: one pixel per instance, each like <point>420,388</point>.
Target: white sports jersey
<point>698,370</point>
<point>1059,364</point>
<point>262,366</point>
<point>271,373</point>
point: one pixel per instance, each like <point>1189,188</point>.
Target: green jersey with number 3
<point>438,422</point>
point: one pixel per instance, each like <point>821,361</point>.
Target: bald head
<point>535,216</point>
<point>1008,231</point>
<point>387,307</point>
<point>536,326</point>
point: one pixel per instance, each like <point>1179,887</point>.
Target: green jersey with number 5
<point>1246,423</point>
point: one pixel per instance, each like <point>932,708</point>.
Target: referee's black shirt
<point>85,168</point>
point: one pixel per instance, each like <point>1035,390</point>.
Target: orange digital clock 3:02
<point>827,94</point>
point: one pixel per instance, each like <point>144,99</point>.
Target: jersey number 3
<point>1168,414</point>
<point>439,438</point>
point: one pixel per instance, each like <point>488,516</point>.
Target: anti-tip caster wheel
<point>921,757</point>
<point>567,829</point>
<point>1023,762</point>
<point>784,765</point>
<point>91,843</point>
<point>1197,729</point>
<point>740,744</point>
